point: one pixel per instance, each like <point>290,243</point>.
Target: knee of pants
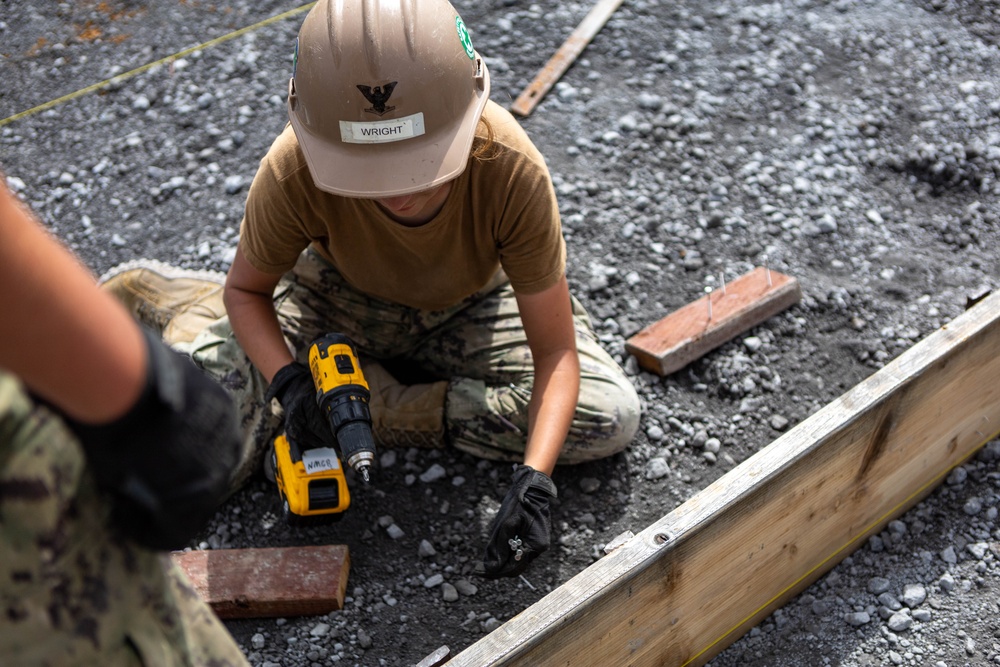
<point>602,430</point>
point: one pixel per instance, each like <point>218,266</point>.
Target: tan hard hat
<point>385,95</point>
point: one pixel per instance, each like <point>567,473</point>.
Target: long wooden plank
<point>565,56</point>
<point>689,332</point>
<point>269,582</point>
<point>693,582</point>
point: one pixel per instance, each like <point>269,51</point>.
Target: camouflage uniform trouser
<point>71,591</point>
<point>474,367</point>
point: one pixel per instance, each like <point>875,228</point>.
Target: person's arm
<point>68,341</point>
<point>160,437</point>
<point>521,528</point>
<point>548,325</point>
<point>248,296</point>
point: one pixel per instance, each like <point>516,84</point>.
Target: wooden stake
<point>565,56</point>
<point>693,582</point>
<point>250,583</point>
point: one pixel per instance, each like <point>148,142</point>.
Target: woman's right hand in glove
<point>305,425</point>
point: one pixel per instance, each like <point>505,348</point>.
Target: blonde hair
<point>485,148</point>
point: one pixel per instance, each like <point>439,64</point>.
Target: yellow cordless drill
<point>311,483</point>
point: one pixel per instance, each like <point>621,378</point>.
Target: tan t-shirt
<point>501,212</point>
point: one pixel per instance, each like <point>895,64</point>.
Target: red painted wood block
<point>252,583</point>
<point>690,332</point>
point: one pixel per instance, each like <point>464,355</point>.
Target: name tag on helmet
<point>382,131</point>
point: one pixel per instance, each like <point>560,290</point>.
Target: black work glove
<point>166,462</point>
<point>305,425</point>
<point>520,531</point>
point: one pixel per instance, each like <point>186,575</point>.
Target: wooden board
<point>688,333</point>
<point>693,582</point>
<point>287,581</point>
<point>565,56</point>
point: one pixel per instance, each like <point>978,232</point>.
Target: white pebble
<point>434,473</point>
<point>657,468</point>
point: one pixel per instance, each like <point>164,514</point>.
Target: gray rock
<point>692,260</point>
<point>699,439</point>
<point>878,585</point>
<point>779,422</point>
<point>978,550</point>
<point>973,506</point>
<point>655,433</point>
<point>319,630</point>
<point>890,601</point>
<point>387,459</point>
<point>491,624</point>
<point>448,592</point>
<point>434,580</point>
<point>657,468</point>
<point>822,607</point>
<point>913,595</point>
<point>465,587</point>
<point>857,618</point>
<point>426,549</point>
<point>899,621</point>
<point>958,476</point>
<point>233,184</point>
<point>433,474</point>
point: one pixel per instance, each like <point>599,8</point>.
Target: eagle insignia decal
<point>378,96</point>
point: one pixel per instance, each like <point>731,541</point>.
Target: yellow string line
<point>139,70</point>
<point>833,555</point>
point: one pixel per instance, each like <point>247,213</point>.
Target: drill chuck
<point>357,447</point>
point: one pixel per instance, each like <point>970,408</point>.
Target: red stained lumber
<point>686,334</point>
<point>272,582</point>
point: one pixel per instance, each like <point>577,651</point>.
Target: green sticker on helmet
<point>463,36</point>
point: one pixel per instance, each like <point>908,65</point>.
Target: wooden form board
<point>269,582</point>
<point>688,333</point>
<point>694,581</point>
<point>564,57</point>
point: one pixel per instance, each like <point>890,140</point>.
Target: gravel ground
<point>854,145</point>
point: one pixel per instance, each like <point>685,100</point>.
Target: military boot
<point>178,303</point>
<point>404,415</point>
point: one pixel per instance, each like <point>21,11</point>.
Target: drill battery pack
<point>311,484</point>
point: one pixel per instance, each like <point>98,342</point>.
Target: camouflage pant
<point>468,370</point>
<point>71,591</point>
